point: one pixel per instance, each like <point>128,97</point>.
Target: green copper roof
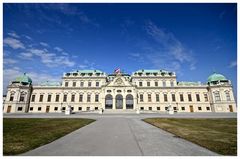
<point>216,77</point>
<point>23,79</point>
<point>89,71</point>
<point>183,83</point>
<point>150,71</point>
<point>50,83</point>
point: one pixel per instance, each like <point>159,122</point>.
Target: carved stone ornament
<point>119,81</point>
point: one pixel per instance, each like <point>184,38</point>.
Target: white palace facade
<point>144,91</point>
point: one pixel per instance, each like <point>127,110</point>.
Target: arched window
<point>129,101</point>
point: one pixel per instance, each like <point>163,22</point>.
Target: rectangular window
<point>39,108</point>
<point>156,84</point>
<point>96,108</point>
<point>228,96</point>
<point>31,109</point>
<point>82,84</point>
<point>149,98</point>
<point>208,108</point>
<point>174,108</point>
<point>73,98</point>
<point>158,108</point>
<point>166,108</point>
<point>11,97</point>
<point>141,97</point>
<point>63,108</point>
<point>164,83</point>
<point>55,108</point>
<point>173,98</point>
<point>157,98</point>
<point>148,84</point>
<point>181,98</point>
<point>22,96</point>
<point>206,97</point>
<point>199,108</point>
<point>198,97</point>
<point>74,84</point>
<point>88,98</point>
<point>142,108</point>
<point>97,84</point>
<point>96,98</point>
<point>172,84</point>
<point>88,108</point>
<point>183,108</point>
<point>66,84</point>
<point>189,97</point>
<point>217,96</point>
<point>65,98</point>
<point>149,108</point>
<point>80,98</point>
<point>33,98</point>
<point>89,84</point>
<point>57,98</point>
<point>165,98</point>
<point>49,98</point>
<point>19,109</point>
<point>140,84</point>
<point>41,98</point>
<point>79,108</point>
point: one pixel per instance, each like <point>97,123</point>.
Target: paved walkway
<point>122,135</point>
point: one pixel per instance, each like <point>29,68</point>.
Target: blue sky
<point>46,40</point>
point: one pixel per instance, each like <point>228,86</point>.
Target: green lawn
<point>21,135</point>
<point>218,135</point>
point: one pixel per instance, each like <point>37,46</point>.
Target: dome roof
<point>23,79</point>
<point>216,77</point>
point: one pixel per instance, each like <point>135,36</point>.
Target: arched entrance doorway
<point>108,101</point>
<point>119,101</point>
<point>129,101</point>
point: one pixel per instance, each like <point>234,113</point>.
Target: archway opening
<point>108,101</point>
<point>119,101</point>
<point>129,101</point>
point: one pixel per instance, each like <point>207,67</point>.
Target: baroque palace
<point>144,91</point>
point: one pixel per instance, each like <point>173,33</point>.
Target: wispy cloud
<point>232,64</point>
<point>169,47</point>
<point>13,34</point>
<point>44,44</point>
<point>11,73</point>
<point>26,55</point>
<point>13,43</point>
<point>58,49</point>
<point>9,61</point>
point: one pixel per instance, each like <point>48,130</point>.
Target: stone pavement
<point>121,135</point>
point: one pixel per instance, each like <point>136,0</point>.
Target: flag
<point>117,70</point>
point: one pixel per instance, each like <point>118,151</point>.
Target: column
<point>135,106</point>
<point>124,104</point>
<point>114,103</point>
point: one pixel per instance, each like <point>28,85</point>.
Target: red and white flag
<point>117,70</point>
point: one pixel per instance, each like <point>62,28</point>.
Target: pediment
<point>119,81</point>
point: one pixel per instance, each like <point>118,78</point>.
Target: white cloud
<point>9,61</point>
<point>58,49</point>
<point>11,74</point>
<point>13,34</point>
<point>170,45</point>
<point>28,37</point>
<point>44,44</point>
<point>233,64</point>
<point>52,59</point>
<point>82,66</point>
<point>26,55</point>
<point>13,43</point>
